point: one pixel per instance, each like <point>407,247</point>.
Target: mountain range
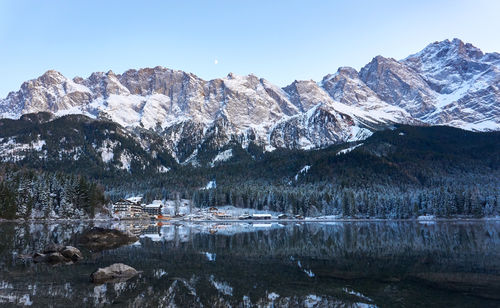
<point>448,83</point>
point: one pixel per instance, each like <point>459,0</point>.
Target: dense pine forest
<point>30,194</point>
<point>402,172</point>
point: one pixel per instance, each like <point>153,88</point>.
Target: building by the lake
<point>128,208</point>
<point>133,208</point>
<point>153,209</point>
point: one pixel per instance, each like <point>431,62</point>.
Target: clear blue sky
<point>278,40</point>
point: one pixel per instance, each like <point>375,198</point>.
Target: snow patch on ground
<point>302,171</point>
<point>312,300</point>
<point>345,151</point>
<point>307,271</point>
<point>221,157</point>
<point>222,287</point>
<point>11,150</point>
<point>210,256</point>
<point>273,296</point>
<point>358,133</point>
<point>163,169</point>
<point>192,159</point>
<point>106,150</point>
<point>125,159</point>
<point>355,293</point>
<point>107,155</point>
<point>488,125</point>
<point>210,185</point>
<point>170,205</point>
<point>38,145</point>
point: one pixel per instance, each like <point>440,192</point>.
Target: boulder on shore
<point>98,239</point>
<point>117,272</point>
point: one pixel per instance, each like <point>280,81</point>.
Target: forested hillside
<point>401,172</point>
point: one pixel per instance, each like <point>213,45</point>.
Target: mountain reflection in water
<point>243,265</point>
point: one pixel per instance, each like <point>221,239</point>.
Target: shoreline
<point>306,220</point>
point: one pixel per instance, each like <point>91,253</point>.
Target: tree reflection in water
<point>307,264</point>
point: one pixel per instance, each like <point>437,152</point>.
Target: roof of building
<point>152,206</point>
<point>135,199</point>
<point>123,201</point>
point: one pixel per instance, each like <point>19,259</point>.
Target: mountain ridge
<point>447,83</point>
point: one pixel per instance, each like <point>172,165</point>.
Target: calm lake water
<point>347,264</point>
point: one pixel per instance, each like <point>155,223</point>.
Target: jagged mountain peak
<point>444,59</point>
<point>51,77</point>
<point>463,80</point>
<point>342,72</point>
<point>449,49</point>
<point>381,60</point>
<point>347,71</point>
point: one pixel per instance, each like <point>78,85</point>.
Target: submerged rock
<point>98,239</point>
<point>117,272</point>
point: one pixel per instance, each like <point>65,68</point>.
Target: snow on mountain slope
<point>448,83</point>
<point>466,83</point>
<point>49,92</point>
<point>398,85</point>
<point>185,109</point>
<point>345,87</point>
<point>319,127</point>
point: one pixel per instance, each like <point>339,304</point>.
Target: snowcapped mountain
<point>448,83</point>
<point>465,84</point>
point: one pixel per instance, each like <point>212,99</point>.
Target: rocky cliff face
<point>448,82</point>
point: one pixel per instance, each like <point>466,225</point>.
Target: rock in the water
<point>113,273</point>
<point>39,257</point>
<point>55,257</point>
<point>53,248</point>
<point>98,239</point>
<point>55,253</point>
<point>72,253</point>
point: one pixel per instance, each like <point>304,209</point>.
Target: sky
<point>280,41</point>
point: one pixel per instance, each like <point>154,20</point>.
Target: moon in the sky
<point>216,61</point>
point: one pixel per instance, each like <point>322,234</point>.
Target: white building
<point>154,208</point>
<point>127,208</point>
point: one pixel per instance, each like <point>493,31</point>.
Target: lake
<point>306,264</point>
